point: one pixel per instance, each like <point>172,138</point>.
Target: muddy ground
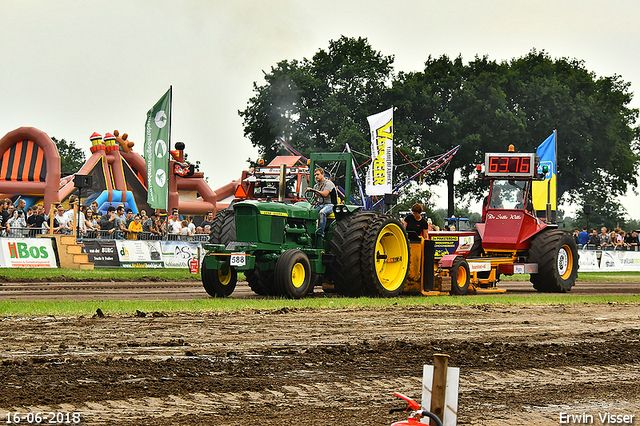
<point>518,365</point>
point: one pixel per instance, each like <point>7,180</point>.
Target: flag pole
<point>550,218</point>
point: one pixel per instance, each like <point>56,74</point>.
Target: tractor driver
<point>325,192</point>
<point>496,202</point>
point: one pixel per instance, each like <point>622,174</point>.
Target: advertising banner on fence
<point>176,254</point>
<point>27,253</point>
<point>588,261</point>
<point>610,261</point>
<point>102,253</point>
<point>629,260</point>
<point>139,254</point>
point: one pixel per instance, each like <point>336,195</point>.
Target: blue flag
<point>547,153</point>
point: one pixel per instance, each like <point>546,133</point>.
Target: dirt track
<point>519,365</point>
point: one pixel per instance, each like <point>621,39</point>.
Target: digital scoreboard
<point>506,165</point>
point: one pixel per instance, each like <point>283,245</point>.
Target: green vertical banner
<point>156,152</point>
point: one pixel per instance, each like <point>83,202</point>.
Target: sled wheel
<point>460,276</point>
<point>556,254</point>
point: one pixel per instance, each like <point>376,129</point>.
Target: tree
<point>449,104</point>
<point>483,106</point>
<point>597,141</point>
<point>319,105</point>
<point>71,157</point>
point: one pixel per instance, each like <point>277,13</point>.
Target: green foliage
<point>484,105</point>
<point>71,157</point>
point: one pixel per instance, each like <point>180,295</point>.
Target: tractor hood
<point>299,210</point>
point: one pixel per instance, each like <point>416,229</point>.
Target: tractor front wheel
<point>556,254</point>
<point>218,283</point>
<point>293,274</point>
<point>460,276</point>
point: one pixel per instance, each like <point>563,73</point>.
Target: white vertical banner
<point>380,173</point>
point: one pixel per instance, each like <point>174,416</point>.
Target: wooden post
<point>52,212</point>
<point>440,364</point>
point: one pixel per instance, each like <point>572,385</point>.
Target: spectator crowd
<point>617,239</point>
<point>118,223</point>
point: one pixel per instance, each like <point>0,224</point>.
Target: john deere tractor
<point>278,250</point>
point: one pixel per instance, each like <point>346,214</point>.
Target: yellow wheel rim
<point>224,279</point>
<point>461,276</point>
<point>565,262</point>
<point>298,275</point>
<point>392,257</point>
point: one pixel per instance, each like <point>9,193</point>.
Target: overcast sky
<point>71,68</point>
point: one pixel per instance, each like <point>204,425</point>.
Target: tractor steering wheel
<point>310,195</point>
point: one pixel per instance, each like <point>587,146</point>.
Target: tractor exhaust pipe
<point>282,184</point>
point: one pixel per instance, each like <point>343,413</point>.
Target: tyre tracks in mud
<point>480,392</point>
<point>519,365</point>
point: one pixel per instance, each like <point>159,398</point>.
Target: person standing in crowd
<point>129,218</point>
<point>17,224</point>
<point>208,220</point>
<point>21,207</point>
<point>633,241</point>
<point>185,231</point>
<point>594,239</point>
<point>120,220</point>
<point>135,227</point>
<point>150,227</point>
<point>414,222</point>
<point>174,225</point>
<point>35,221</point>
<point>604,236</point>
<point>91,225</point>
<point>61,224</point>
<point>5,210</point>
<point>82,218</point>
<point>191,225</point>
<point>94,210</point>
<point>583,236</point>
<point>108,223</point>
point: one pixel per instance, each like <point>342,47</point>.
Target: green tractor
<point>278,250</point>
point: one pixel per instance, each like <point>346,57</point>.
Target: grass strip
<point>128,307</point>
<point>178,274</point>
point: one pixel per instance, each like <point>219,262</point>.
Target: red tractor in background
<point>509,240</point>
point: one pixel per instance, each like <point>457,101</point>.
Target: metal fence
<point>33,232</point>
<point>608,247</point>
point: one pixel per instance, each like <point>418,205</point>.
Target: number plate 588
<point>238,259</point>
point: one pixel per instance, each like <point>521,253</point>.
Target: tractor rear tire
<point>346,246</point>
<point>262,282</point>
<point>217,225</point>
<point>293,274</point>
<point>217,283</point>
<point>385,256</point>
<point>556,254</point>
<point>255,283</point>
<point>460,276</point>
